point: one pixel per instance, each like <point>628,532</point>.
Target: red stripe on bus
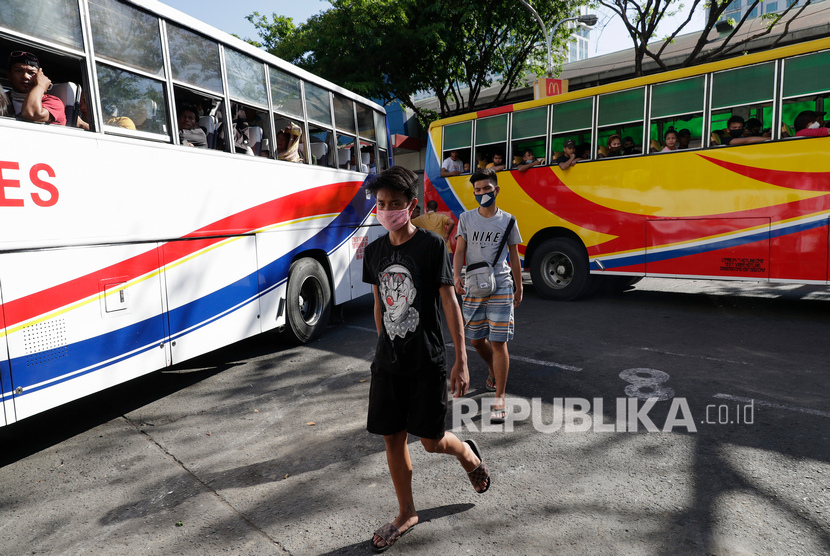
<point>495,111</point>
<point>804,181</point>
<point>321,200</point>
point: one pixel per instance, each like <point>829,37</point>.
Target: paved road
<point>260,448</point>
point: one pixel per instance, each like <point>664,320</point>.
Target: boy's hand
<point>459,286</point>
<point>459,377</point>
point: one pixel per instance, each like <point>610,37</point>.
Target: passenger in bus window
<point>4,105</point>
<point>466,167</point>
<point>568,157</point>
<point>190,134</point>
<point>529,160</point>
<point>452,165</point>
<point>83,114</point>
<point>288,143</point>
<point>670,140</point>
<point>583,151</point>
<point>735,128</point>
<point>629,147</point>
<point>684,137</point>
<point>753,128</point>
<point>29,99</point>
<point>498,162</point>
<point>614,146</point>
<point>807,125</point>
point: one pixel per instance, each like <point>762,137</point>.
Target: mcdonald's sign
<point>543,87</point>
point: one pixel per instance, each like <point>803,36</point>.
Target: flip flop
<point>481,472</point>
<point>487,384</point>
<point>498,416</point>
<point>390,534</point>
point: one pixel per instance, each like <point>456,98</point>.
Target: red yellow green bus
<point>758,211</point>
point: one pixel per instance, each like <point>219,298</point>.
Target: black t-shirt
<point>561,159</point>
<point>408,278</point>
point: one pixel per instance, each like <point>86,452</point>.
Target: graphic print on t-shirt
<point>397,293</point>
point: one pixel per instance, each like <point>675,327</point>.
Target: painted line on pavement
<point>532,361</point>
<point>692,356</point>
<point>773,405</point>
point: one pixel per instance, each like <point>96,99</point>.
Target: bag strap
<point>504,239</point>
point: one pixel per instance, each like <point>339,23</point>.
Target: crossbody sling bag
<point>481,277</point>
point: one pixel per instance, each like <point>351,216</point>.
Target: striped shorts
<point>489,317</point>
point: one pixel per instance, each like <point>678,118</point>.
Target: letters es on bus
<point>10,180</point>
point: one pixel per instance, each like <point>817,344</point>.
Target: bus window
<point>620,116</point>
<point>194,59</point>
<point>344,114</point>
<point>491,141</point>
<point>806,87</point>
<point>131,102</point>
<point>124,34</point>
<point>57,21</point>
<point>249,117</point>
<point>745,92</point>
<point>678,105</point>
<point>206,110</point>
<point>347,154</point>
<point>318,104</point>
<point>290,138</point>
<point>382,160</point>
<point>286,93</point>
<point>571,121</point>
<point>459,138</point>
<point>321,145</point>
<point>344,120</point>
<point>365,122</point>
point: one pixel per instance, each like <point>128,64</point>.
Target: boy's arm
<point>516,267</point>
<point>460,375</point>
<point>457,263</point>
<point>378,314</point>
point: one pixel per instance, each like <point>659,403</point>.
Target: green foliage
<point>392,49</point>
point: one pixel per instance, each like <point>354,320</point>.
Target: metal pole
<point>548,37</point>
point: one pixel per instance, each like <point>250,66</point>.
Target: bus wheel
<point>559,270</point>
<point>308,300</point>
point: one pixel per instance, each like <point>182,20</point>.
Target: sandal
<point>498,416</point>
<point>490,384</point>
<point>480,473</point>
<point>390,534</point>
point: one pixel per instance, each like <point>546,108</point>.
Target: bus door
<point>709,247</point>
<point>78,320</point>
<point>212,293</point>
<point>364,235</point>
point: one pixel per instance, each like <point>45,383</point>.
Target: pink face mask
<point>393,220</point>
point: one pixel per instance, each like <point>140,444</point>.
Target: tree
<point>641,20</point>
<point>392,49</point>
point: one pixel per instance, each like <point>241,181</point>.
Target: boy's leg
<point>400,467</point>
<point>501,366</point>
<point>485,351</point>
<point>451,445</point>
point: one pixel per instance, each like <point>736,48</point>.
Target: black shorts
<point>416,404</point>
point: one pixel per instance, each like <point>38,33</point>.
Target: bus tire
<point>559,270</point>
<point>308,300</point>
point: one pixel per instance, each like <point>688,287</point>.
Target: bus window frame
<point>645,142</point>
<point>476,145</point>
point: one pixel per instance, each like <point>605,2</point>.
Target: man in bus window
<point>684,137</point>
<point>735,127</point>
<point>190,134</point>
<point>452,165</point>
<point>568,157</point>
<point>29,99</point>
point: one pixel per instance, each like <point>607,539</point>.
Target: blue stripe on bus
<point>113,347</point>
<point>684,251</point>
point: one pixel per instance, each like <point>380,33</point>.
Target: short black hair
<point>432,205</point>
<point>684,132</point>
<point>487,174</point>
<point>734,120</point>
<point>804,119</point>
<point>396,178</point>
<point>188,107</point>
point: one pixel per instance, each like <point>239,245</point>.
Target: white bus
<point>123,249</point>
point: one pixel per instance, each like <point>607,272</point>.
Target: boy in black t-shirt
<point>410,272</point>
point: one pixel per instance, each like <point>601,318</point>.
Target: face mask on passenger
<point>486,199</point>
<point>814,125</point>
<point>735,133</point>
<point>393,219</point>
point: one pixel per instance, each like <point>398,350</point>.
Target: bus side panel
<point>733,248</point>
<point>800,255</point>
<point>87,343</point>
<point>212,294</point>
<point>7,415</point>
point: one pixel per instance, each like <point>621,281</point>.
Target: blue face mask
<point>486,199</point>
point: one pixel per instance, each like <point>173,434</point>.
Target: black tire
<point>559,270</point>
<point>308,300</point>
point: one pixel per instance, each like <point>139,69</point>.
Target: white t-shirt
<point>451,165</point>
<point>483,236</point>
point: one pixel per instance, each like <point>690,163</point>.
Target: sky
<point>609,35</point>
